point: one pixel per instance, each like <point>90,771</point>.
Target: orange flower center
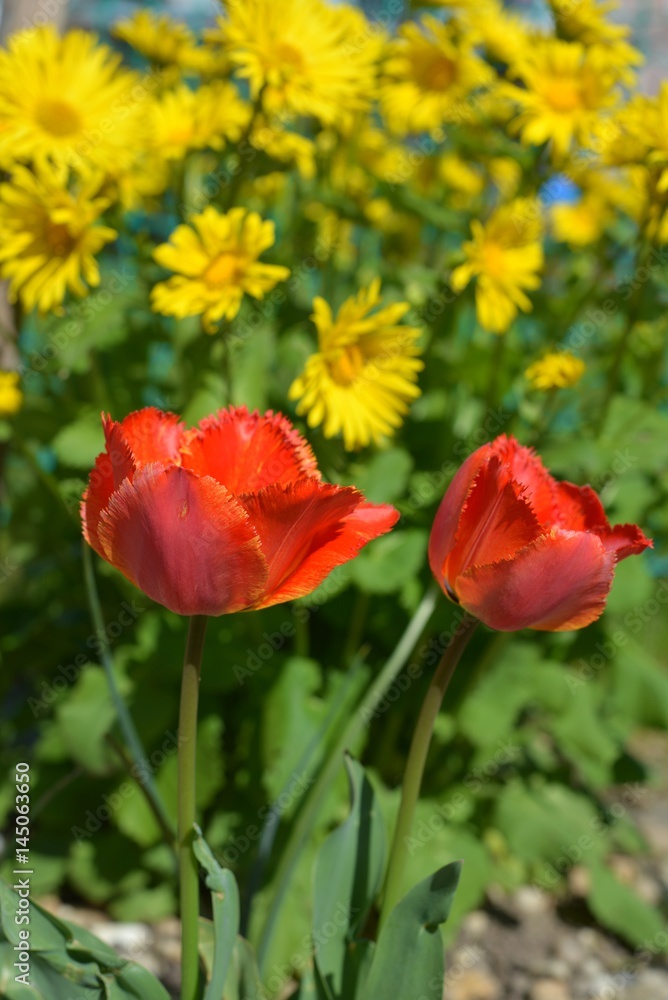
<point>493,260</point>
<point>284,62</point>
<point>226,269</point>
<point>434,71</point>
<point>564,95</point>
<point>346,365</point>
<point>58,239</point>
<point>58,117</point>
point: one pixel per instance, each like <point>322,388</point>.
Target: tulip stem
<point>415,763</point>
<point>188,871</point>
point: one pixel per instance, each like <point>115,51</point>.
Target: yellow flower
<point>504,36</point>
<point>65,99</point>
<point>136,185</point>
<point>284,146</point>
<point>183,119</point>
<point>586,21</point>
<point>363,376</point>
<point>581,223</point>
<point>156,36</point>
<point>303,56</point>
<point>428,74</point>
<point>558,370</point>
<point>459,175</point>
<point>48,236</point>
<point>505,255</point>
<point>565,89</point>
<point>216,262</point>
<point>11,397</point>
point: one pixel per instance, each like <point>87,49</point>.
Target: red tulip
<point>228,516</point>
<point>517,549</point>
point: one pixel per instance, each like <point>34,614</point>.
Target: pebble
<point>550,989</point>
<point>476,925</point>
<point>530,901</point>
<point>473,985</point>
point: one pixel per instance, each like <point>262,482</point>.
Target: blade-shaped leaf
<point>408,960</point>
<point>348,875</point>
<point>225,902</point>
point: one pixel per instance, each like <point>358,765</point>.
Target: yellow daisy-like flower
<point>183,119</point>
<point>566,87</point>
<point>363,376</point>
<point>428,72</point>
<point>216,263</point>
<point>503,35</point>
<point>284,146</point>
<point>303,56</point>
<point>66,100</point>
<point>156,36</point>
<point>583,222</point>
<point>586,21</point>
<point>558,370</point>
<point>505,255</point>
<point>11,397</point>
<point>48,236</point>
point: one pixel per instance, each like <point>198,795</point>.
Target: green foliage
<point>66,962</point>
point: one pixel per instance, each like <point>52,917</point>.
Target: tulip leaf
<point>66,962</point>
<point>348,875</point>
<point>408,960</point>
<point>225,902</point>
<point>618,907</point>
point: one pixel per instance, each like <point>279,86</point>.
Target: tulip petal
<point>624,540</point>
<point>247,451</point>
<point>442,537</point>
<point>183,540</point>
<point>111,468</point>
<point>496,522</point>
<point>307,529</point>
<point>558,582</point>
<point>579,508</point>
<point>153,436</point>
<point>527,469</point>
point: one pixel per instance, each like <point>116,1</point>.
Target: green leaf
<point>348,875</point>
<point>78,444</point>
<point>383,479</point>
<point>66,961</point>
<point>225,903</point>
<point>408,959</point>
<point>385,566</point>
<point>618,908</point>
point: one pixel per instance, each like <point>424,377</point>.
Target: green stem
<point>356,725</point>
<point>496,364</point>
<point>415,763</point>
<point>127,726</point>
<point>188,871</point>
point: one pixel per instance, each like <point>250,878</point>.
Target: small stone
<point>472,985</point>
<point>129,939</point>
<point>570,950</point>
<point>476,925</point>
<point>579,881</point>
<point>549,989</point>
<point>556,968</point>
<point>529,901</point>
